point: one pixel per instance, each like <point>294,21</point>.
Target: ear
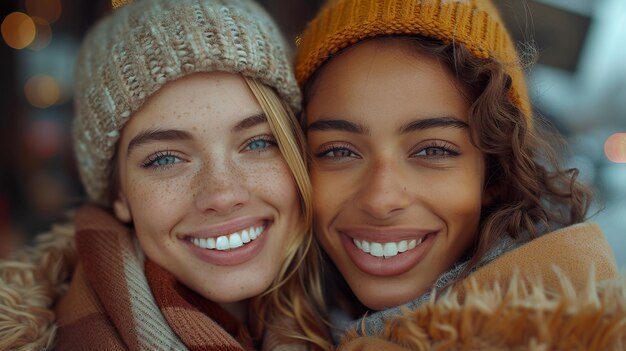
<point>121,209</point>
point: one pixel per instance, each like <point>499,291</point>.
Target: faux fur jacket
<point>569,297</point>
<point>518,315</point>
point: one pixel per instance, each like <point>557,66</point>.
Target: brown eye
<point>436,149</point>
<point>337,153</point>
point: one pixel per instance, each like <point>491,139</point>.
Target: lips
<point>374,253</point>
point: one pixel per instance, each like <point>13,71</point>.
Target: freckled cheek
<point>273,180</point>
<point>156,206</point>
<point>156,193</point>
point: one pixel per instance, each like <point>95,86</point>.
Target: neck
<point>238,309</point>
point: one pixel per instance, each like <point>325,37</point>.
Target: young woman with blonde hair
<point>197,235</point>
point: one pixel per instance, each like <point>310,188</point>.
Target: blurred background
<point>578,83</point>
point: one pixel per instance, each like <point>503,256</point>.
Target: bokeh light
<point>615,148</point>
<point>46,192</point>
<point>18,30</point>
<point>42,91</point>
<point>49,10</point>
<point>45,137</point>
<point>43,34</point>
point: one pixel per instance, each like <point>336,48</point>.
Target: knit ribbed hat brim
<point>473,23</point>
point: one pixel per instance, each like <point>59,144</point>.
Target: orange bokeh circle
<point>615,148</point>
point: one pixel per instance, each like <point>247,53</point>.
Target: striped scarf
<point>114,304</point>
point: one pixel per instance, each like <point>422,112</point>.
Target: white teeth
<point>245,237</point>
<point>210,243</point>
<point>376,250</point>
<point>390,250</point>
<point>235,241</point>
<point>403,246</point>
<point>222,243</point>
<point>230,241</point>
<point>386,250</point>
<point>366,246</point>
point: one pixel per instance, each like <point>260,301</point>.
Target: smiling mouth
<point>229,241</point>
<point>388,249</point>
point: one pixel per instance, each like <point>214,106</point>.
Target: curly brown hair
<point>531,193</point>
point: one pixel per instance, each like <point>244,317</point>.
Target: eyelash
<point>449,150</point>
<point>154,158</point>
<point>266,138</point>
<point>335,148</point>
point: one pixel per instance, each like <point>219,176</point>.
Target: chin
<point>376,301</point>
<point>231,293</point>
<point>379,295</point>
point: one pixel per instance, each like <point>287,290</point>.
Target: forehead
<point>384,77</point>
<point>204,99</point>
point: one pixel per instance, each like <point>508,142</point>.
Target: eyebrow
<point>337,125</point>
<point>174,134</point>
<point>250,122</point>
<point>437,122</point>
<point>157,135</point>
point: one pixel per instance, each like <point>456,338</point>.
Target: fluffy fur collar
<point>520,316</point>
<point>30,283</point>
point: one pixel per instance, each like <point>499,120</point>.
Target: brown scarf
<point>112,304</point>
<point>196,320</point>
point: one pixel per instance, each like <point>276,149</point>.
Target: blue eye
<point>166,160</point>
<point>161,160</point>
<point>260,143</point>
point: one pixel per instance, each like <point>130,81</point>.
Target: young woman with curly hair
<point>428,166</point>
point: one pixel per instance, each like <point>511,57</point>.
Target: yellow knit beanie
<point>473,23</point>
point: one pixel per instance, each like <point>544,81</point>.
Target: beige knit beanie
<point>133,52</point>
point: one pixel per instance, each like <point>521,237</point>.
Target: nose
<point>383,192</point>
<point>221,188</point>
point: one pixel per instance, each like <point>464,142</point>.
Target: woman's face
<point>398,186</point>
<point>206,187</point>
